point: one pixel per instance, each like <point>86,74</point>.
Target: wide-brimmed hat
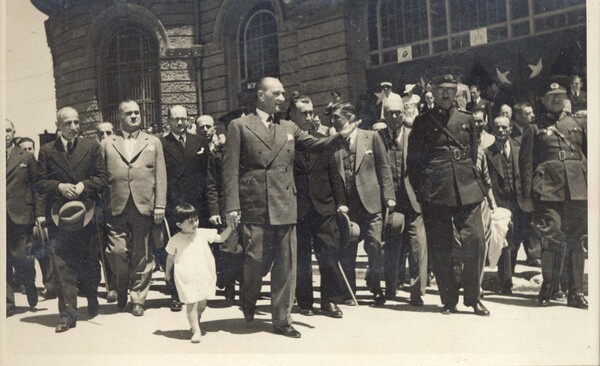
<point>72,215</point>
<point>408,88</point>
<point>395,221</point>
<point>349,231</point>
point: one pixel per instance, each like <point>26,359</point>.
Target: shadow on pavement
<point>529,301</point>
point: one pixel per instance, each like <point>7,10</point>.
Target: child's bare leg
<point>201,307</point>
<point>192,315</point>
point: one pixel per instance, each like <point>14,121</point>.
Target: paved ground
<point>516,332</point>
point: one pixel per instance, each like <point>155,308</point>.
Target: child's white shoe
<point>196,337</point>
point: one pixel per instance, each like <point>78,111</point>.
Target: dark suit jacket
<point>545,177</point>
<point>483,106</point>
<point>86,165</point>
<point>516,135</point>
<point>20,176</point>
<point>494,156</point>
<point>190,174</point>
<point>405,194</point>
<point>579,102</point>
<point>373,175</point>
<point>318,183</point>
<point>444,182</point>
<point>258,170</point>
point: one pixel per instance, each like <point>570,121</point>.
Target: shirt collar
<point>264,116</point>
<point>65,141</point>
<point>134,135</point>
<point>353,134</point>
<point>176,136</point>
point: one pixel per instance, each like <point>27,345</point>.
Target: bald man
<point>71,169</point>
<point>189,177</point>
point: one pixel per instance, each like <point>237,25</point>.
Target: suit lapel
<point>79,153</point>
<point>174,148</point>
<point>140,144</point>
<point>61,158</point>
<point>191,148</point>
<point>496,159</point>
<point>258,128</point>
<point>362,142</point>
<point>514,151</point>
<point>13,159</point>
<point>340,163</point>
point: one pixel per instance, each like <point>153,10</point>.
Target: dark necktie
<point>69,149</point>
<point>182,141</point>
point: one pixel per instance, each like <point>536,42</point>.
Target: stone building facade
<point>204,54</point>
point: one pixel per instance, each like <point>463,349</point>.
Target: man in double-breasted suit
<point>365,168</point>
<point>69,169</point>
<point>259,189</point>
<point>20,217</point>
<point>553,163</point>
<point>503,168</point>
<point>320,195</point>
<point>189,177</point>
<point>136,199</point>
<point>442,154</point>
<point>395,140</point>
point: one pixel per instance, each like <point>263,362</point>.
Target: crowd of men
<point>420,183</point>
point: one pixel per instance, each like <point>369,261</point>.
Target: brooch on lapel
<point>290,137</point>
<point>23,165</point>
<point>369,152</point>
<point>200,152</point>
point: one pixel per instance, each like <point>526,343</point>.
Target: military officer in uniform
<point>553,168</point>
<point>442,153</point>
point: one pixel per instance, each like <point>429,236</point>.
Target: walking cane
<point>347,283</point>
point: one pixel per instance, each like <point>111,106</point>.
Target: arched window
<point>129,70</point>
<point>259,45</point>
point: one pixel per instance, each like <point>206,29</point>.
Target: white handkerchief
<point>23,165</point>
<point>290,137</point>
<point>369,152</point>
<point>200,152</point>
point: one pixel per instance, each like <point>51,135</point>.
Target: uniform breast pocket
<point>576,135</point>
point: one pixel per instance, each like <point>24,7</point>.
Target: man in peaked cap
<point>71,169</point>
<point>553,161</point>
<point>442,154</point>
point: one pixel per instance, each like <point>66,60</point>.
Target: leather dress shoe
<point>176,305</point>
<point>93,307</point>
<point>111,296</point>
<point>480,309</point>
<point>48,295</point>
<point>122,299</point>
<point>534,262</point>
<point>65,324</point>
<point>379,298</point>
<point>229,293</point>
<point>390,294</point>
<point>248,315</point>
<point>349,302</point>
<point>32,295</point>
<point>558,296</point>
<point>542,301</point>
<point>331,309</point>
<point>506,290</point>
<point>416,300</point>
<point>287,331</point>
<point>577,301</point>
<point>137,309</point>
<point>448,309</point>
<point>307,312</point>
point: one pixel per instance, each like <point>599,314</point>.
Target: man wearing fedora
<point>553,164</point>
<point>442,153</point>
<point>71,174</point>
<point>20,217</point>
<point>320,194</point>
<point>136,200</point>
<point>412,234</point>
<point>365,169</point>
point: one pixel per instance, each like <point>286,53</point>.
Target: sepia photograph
<point>241,182</point>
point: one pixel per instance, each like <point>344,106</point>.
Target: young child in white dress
<point>195,272</point>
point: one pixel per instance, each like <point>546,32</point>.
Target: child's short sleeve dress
<point>195,272</point>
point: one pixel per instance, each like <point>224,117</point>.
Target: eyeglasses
<point>205,127</point>
<point>107,133</point>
